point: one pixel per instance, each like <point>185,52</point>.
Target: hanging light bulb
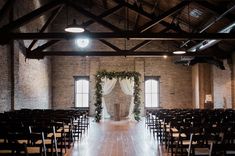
<point>82,42</point>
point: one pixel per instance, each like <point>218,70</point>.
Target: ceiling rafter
<point>105,4</point>
<point>94,17</point>
<point>87,23</point>
<point>6,36</point>
<point>146,42</point>
<point>107,43</point>
<point>6,8</point>
<point>160,11</point>
<point>216,9</point>
<point>204,27</point>
<point>30,16</point>
<point>106,53</point>
<point>148,15</point>
<point>125,35</point>
<point>140,45</point>
<point>48,22</point>
<point>162,16</point>
<point>104,14</point>
<point>44,46</point>
<point>136,47</point>
<point>137,18</point>
<point>110,45</point>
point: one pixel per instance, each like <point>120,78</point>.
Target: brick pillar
<point>202,84</point>
<point>233,80</point>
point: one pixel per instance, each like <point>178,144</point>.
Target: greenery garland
<point>121,75</point>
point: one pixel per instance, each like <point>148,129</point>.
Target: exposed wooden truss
<point>219,10</point>
<point>106,53</point>
<point>124,34</point>
<point>48,22</point>
<point>5,8</point>
<point>8,34</point>
<point>161,17</point>
<point>31,16</point>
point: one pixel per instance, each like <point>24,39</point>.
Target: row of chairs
<point>41,132</point>
<point>184,130</point>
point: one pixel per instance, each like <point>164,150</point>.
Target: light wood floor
<point>117,138</point>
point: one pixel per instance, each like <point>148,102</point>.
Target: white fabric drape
<point>107,87</point>
<point>127,86</point>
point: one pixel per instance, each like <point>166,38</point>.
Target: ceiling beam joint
<point>30,16</point>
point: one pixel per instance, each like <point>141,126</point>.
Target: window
<point>81,92</point>
<point>151,91</point>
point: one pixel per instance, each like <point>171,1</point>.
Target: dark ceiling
<point>131,27</point>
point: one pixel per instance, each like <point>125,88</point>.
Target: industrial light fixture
<point>179,52</point>
<point>82,42</point>
<point>165,56</point>
<point>74,28</point>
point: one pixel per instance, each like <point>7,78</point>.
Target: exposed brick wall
<point>34,84</point>
<point>63,70</point>
<point>5,85</point>
<point>175,82</point>
<point>208,79</point>
<point>32,81</point>
<point>233,80</point>
<point>222,87</point>
<point>32,78</point>
<point>176,85</point>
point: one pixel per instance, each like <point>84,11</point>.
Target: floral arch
<point>118,75</point>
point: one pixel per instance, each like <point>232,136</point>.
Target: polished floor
<point>117,138</point>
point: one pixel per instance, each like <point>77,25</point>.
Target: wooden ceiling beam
<point>137,19</point>
<point>104,14</point>
<point>94,17</point>
<point>148,15</point>
<point>216,9</point>
<point>41,55</point>
<point>140,45</point>
<point>30,16</point>
<point>105,4</point>
<point>109,45</point>
<point>48,22</point>
<point>5,8</point>
<point>164,15</point>
<point>89,22</point>
<point>4,37</point>
<point>44,46</point>
<point>146,42</point>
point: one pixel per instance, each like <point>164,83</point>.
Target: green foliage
<point>121,75</point>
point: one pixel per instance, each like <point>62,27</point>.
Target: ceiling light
<point>74,28</point>
<point>179,52</point>
<point>164,56</point>
<point>82,42</point>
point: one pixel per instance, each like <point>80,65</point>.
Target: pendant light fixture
<point>74,27</point>
<point>179,52</point>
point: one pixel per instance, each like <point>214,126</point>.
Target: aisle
<point>117,138</point>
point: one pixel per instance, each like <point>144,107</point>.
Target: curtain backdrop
<point>107,87</point>
<point>127,86</point>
